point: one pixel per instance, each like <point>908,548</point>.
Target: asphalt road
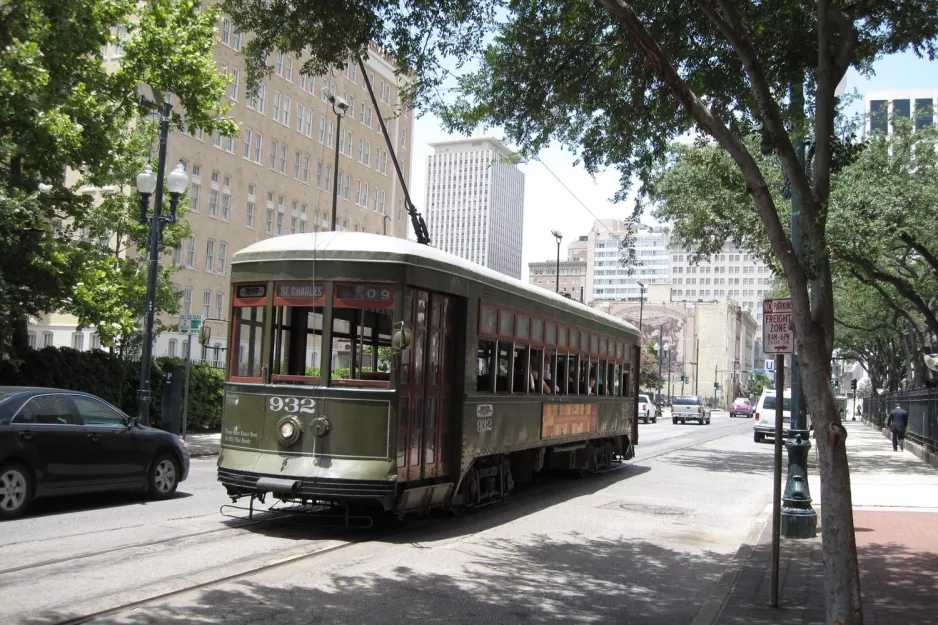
<point>643,543</point>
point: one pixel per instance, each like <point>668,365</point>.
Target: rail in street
<point>154,556</point>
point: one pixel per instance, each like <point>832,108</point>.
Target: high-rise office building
<point>475,203</point>
<point>607,278</point>
<point>276,177</point>
<point>883,106</point>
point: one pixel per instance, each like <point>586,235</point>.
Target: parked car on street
<point>764,424</point>
<point>60,442</point>
<point>686,408</point>
<point>646,409</point>
<point>741,407</point>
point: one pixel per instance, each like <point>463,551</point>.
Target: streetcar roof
<point>365,247</point>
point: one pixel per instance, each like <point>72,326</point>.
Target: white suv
<point>646,409</point>
<point>764,424</point>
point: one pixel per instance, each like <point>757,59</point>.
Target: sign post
<point>778,339</point>
<point>190,325</point>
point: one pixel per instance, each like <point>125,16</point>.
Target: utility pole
<point>697,368</point>
<point>669,377</point>
<point>716,369</point>
<point>660,333</point>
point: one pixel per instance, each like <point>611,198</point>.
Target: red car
<point>741,407</point>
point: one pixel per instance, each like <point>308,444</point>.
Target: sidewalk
<point>202,445</point>
<point>895,498</point>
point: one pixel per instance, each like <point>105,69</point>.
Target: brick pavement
<point>897,547</point>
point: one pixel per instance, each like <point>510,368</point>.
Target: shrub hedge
<point>115,380</point>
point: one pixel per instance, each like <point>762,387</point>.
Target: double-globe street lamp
<point>559,238</point>
<point>149,183</point>
<point>340,108</point>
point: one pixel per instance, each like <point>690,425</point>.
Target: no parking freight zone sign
<point>778,337</point>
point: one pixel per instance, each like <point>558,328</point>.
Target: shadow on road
<point>545,579</point>
<point>752,463</point>
<point>50,506</point>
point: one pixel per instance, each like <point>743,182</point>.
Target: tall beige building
<point>275,178</point>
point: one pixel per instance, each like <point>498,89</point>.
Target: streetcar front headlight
<point>289,430</point>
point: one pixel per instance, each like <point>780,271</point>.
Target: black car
<point>58,442</point>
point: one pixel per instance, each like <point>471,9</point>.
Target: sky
<point>548,206</point>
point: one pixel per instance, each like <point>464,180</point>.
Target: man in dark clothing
<point>897,421</point>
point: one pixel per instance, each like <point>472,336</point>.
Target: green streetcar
<point>373,371</point>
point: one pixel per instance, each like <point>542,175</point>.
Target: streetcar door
<point>425,386</point>
<point>439,370</point>
<point>412,387</point>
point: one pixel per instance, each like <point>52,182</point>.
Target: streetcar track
<point>230,578</point>
<point>315,553</point>
<point>149,543</point>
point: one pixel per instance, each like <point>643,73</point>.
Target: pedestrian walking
<point>897,421</point>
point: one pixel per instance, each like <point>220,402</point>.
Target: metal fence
<point>922,406</point>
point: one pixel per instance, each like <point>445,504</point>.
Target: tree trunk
<point>20,338</point>
<point>841,570</point>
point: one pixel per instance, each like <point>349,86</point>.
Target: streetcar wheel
<point>164,477</point>
<point>16,490</point>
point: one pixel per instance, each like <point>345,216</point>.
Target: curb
<point>711,609</point>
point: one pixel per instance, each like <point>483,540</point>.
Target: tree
<point>617,81</point>
<point>62,109</point>
<point>882,192</point>
<point>757,384</point>
<point>648,374</point>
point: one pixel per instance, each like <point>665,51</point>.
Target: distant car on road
<point>686,408</point>
<point>646,409</point>
<point>60,442</point>
<point>741,407</point>
<point>764,424</point>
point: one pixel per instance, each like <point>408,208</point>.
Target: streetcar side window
<point>361,346</point>
<point>297,347</point>
<point>248,339</point>
<point>626,380</point>
<point>520,379</point>
<point>504,368</point>
<point>538,380</point>
<point>485,365</point>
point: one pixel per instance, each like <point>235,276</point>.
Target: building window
<point>283,159</point>
<point>190,253</point>
<point>226,31</point>
<point>219,305</point>
<point>306,169</point>
<point>296,165</point>
<point>286,111</point>
<point>187,300</point>
<point>207,304</point>
<point>258,147</point>
<point>195,190</point>
<point>879,116</point>
<point>276,112</point>
<point>210,255</point>
<point>274,148</point>
<point>248,137</point>
<point>226,198</point>
<point>31,340</point>
<point>249,208</point>
<point>172,348</point>
<point>270,213</point>
<point>222,257</point>
<point>47,339</point>
<point>924,113</point>
<point>289,69</point>
<point>234,85</point>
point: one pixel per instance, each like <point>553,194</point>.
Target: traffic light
<point>716,386</point>
<point>853,385</point>
<point>836,386</point>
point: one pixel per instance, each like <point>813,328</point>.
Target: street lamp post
<point>339,107</point>
<point>147,184</point>
<point>559,237</point>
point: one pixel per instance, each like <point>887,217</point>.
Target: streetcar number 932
<point>292,405</point>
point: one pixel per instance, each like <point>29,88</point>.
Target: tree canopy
<point>64,109</point>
